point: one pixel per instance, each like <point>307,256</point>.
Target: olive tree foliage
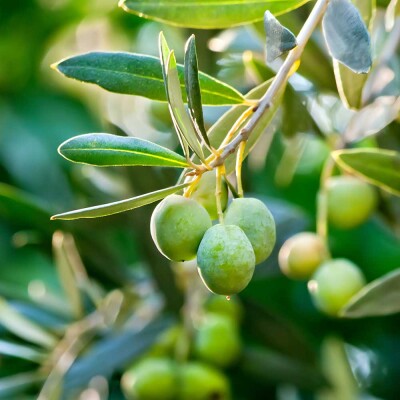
<point>328,70</point>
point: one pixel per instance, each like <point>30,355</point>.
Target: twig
<point>280,79</point>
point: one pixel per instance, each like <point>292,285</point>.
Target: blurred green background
<point>97,291</point>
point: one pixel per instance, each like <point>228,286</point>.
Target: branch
<point>280,79</point>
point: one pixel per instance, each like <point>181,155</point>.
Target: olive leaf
<point>193,92</point>
<point>279,39</point>
<point>206,14</point>
<point>347,36</point>
<point>182,122</point>
<point>102,149</point>
<point>380,297</point>
<point>139,75</point>
<point>119,206</point>
<point>377,166</point>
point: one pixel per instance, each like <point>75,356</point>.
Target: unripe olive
<point>334,283</point>
<point>204,193</point>
<point>227,307</point>
<point>302,254</point>
<point>350,201</point>
<point>254,218</point>
<point>151,379</point>
<point>177,227</point>
<point>200,381</point>
<point>217,340</point>
<point>226,259</point>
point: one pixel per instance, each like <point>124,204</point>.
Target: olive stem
<point>282,76</point>
<point>239,163</point>
<point>220,170</point>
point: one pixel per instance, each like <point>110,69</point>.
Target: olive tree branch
<point>280,79</point>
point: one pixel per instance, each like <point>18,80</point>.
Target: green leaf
<point>119,206</point>
<point>20,351</point>
<point>182,122</point>
<point>392,11</point>
<point>377,166</point>
<point>279,39</point>
<point>193,92</point>
<point>104,150</point>
<point>20,326</point>
<point>347,36</point>
<point>380,297</point>
<point>350,84</point>
<point>15,386</point>
<point>140,75</point>
<point>208,14</point>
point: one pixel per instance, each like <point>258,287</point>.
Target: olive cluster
<point>227,252</point>
<point>332,282</point>
<point>215,344</point>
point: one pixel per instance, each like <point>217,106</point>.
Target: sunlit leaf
<point>139,75</point>
<point>119,206</point>
<point>347,36</point>
<point>182,122</point>
<point>15,386</point>
<point>23,327</point>
<point>21,351</point>
<point>392,11</point>
<point>377,166</point>
<point>208,14</point>
<point>350,84</point>
<point>372,118</point>
<point>193,89</point>
<point>279,39</point>
<point>102,149</point>
<point>380,297</point>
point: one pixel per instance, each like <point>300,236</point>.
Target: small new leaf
<point>378,298</point>
<point>119,206</point>
<point>279,39</point>
<point>193,92</point>
<point>182,122</point>
<point>104,150</point>
<point>377,166</point>
<point>347,36</point>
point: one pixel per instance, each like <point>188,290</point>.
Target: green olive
<point>217,340</point>
<point>151,379</point>
<point>302,254</point>
<point>204,193</point>
<point>350,201</point>
<point>177,226</point>
<point>199,381</point>
<point>334,283</point>
<point>231,308</point>
<point>254,218</point>
<point>226,259</point>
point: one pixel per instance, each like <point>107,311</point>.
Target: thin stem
<point>220,170</point>
<point>239,163</point>
<point>287,68</point>
<point>322,201</point>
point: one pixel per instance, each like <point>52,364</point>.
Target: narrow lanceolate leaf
<point>208,14</point>
<point>193,91</point>
<point>140,75</point>
<point>392,11</point>
<point>377,166</point>
<point>350,84</point>
<point>347,36</point>
<point>24,328</point>
<point>106,150</point>
<point>182,122</point>
<point>279,39</point>
<point>378,298</point>
<point>164,58</point>
<point>119,206</point>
